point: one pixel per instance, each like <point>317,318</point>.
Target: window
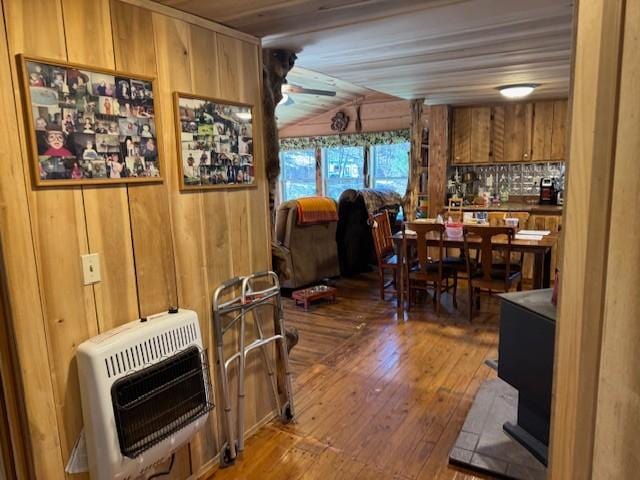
<point>344,168</point>
<point>298,173</point>
<point>390,166</point>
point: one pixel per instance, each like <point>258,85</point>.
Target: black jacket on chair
<point>356,252</point>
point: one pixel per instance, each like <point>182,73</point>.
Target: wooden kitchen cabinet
<point>480,135</point>
<point>542,130</point>
<point>559,134</point>
<point>549,130</point>
<point>518,118</point>
<point>461,145</point>
<point>509,132</point>
<point>471,135</point>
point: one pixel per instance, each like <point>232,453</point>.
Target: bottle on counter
<point>504,193</point>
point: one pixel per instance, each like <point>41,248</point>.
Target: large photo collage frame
<point>88,125</point>
<point>215,142</point>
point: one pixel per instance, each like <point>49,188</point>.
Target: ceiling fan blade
<point>287,103</point>
<point>288,88</point>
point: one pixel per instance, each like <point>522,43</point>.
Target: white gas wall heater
<point>145,390</point>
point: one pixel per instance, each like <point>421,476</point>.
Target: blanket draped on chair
<point>314,210</point>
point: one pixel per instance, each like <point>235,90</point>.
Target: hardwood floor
<point>376,396</point>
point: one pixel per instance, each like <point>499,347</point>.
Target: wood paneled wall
<point>618,417</point>
<point>158,246</point>
<point>596,383</point>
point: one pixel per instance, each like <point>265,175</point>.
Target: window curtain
<point>348,140</point>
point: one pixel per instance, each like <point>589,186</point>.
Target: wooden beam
<point>410,201</point>
<point>438,157</point>
<point>587,219</point>
<point>617,421</point>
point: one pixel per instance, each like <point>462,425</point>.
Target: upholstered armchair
<point>303,254</point>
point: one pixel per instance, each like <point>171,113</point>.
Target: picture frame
<point>89,125</point>
<point>214,140</point>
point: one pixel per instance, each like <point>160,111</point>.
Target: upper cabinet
<point>481,134</point>
<point>517,132</point>
<point>461,148</point>
<point>471,135</point>
<point>559,132</point>
<point>509,132</point>
<point>549,120</point>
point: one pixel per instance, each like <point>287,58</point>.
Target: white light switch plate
<point>91,268</point>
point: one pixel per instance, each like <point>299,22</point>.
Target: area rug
<point>482,446</point>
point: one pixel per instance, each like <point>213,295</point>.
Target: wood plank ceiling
<point>448,51</point>
<point>306,106</point>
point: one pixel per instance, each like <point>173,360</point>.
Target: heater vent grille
<point>157,401</point>
<point>151,350</point>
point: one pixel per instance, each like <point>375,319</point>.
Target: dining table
<point>541,249</point>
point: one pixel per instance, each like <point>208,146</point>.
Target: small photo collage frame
<point>215,142</point>
<point>88,125</point>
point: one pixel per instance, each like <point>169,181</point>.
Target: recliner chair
<point>303,254</point>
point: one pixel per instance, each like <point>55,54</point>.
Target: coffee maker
<point>548,191</point>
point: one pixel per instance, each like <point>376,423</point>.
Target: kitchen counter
<point>516,207</point>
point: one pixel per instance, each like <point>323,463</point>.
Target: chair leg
<point>477,295</point>
<point>409,296</point>
<point>470,309</point>
<point>455,289</point>
<point>381,284</point>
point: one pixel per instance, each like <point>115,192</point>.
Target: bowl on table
<point>454,229</point>
<point>511,222</point>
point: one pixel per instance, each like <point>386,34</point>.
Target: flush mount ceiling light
<point>517,91</point>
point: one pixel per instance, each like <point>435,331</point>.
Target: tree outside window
<point>391,166</point>
<point>298,175</point>
<point>344,167</point>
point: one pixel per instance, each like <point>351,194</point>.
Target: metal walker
<point>225,316</point>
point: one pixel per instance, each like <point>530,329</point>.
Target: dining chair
<point>496,219</point>
<point>428,270</point>
<point>385,254</point>
<point>486,276</point>
<point>454,210</point>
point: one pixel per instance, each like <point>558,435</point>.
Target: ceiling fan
<point>291,89</point>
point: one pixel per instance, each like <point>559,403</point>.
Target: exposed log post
<point>276,65</point>
<point>438,157</point>
<point>410,201</point>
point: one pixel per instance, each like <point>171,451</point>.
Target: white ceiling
<point>305,105</point>
<point>456,53</point>
<point>448,51</point>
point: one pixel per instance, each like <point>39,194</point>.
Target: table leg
<point>538,270</point>
<point>546,269</point>
<point>542,269</point>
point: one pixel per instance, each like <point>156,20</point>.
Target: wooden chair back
<point>454,210</point>
<point>496,219</point>
<point>381,233</point>
<point>423,230</point>
<point>486,234</point>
